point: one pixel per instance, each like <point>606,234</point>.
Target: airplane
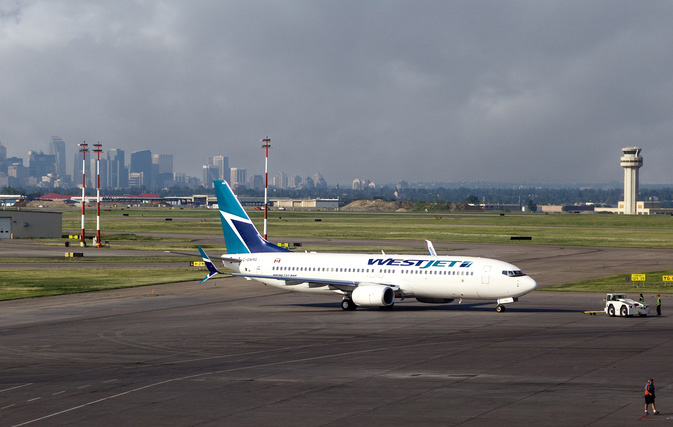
<point>367,280</point>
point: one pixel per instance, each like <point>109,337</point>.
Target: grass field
<point>566,230</point>
<point>172,229</point>
<point>35,283</point>
<point>620,283</point>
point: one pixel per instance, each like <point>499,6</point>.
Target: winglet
<point>431,248</point>
<point>212,270</point>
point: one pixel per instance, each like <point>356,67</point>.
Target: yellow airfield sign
<point>638,277</point>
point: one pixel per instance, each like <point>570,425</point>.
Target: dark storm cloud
<point>468,90</point>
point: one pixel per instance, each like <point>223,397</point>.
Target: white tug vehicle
<point>620,305</point>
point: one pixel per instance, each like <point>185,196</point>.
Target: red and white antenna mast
<point>266,145</point>
<point>98,150</point>
<point>83,148</point>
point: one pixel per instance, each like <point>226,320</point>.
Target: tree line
<point>524,196</point>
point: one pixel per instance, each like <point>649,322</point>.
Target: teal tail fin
<point>240,234</point>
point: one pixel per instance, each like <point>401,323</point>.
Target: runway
<point>234,352</point>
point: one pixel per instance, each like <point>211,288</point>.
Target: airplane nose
<point>529,284</point>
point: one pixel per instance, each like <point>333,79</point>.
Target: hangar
<point>17,224</point>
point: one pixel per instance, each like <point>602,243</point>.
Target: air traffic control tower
<point>631,162</point>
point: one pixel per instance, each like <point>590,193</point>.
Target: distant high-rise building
<point>141,163</point>
<point>216,168</point>
<point>40,164</point>
<point>319,181</point>
<point>238,177</point>
<point>117,173</point>
<point>17,173</point>
<point>257,182</point>
<point>3,159</point>
<point>58,149</point>
<point>222,165</point>
<point>180,178</point>
<point>164,162</point>
<point>136,179</point>
<point>281,180</point>
<point>162,170</point>
<point>210,174</point>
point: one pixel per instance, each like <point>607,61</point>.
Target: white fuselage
<point>419,276</point>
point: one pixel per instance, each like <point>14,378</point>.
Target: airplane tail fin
<point>212,270</point>
<point>240,234</point>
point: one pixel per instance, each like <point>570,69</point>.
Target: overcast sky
<point>508,91</point>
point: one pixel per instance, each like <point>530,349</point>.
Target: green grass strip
<point>35,283</point>
<point>618,283</point>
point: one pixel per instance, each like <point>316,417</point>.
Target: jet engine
<point>434,300</point>
<point>376,296</point>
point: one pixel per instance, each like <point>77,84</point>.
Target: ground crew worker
<point>642,298</point>
<point>658,304</point>
<point>649,396</point>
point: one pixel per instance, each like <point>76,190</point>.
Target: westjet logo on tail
<point>418,263</point>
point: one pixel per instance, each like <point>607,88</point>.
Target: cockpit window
<point>513,273</point>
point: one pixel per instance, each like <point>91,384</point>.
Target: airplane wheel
<point>624,312</point>
<point>348,304</point>
<point>500,308</point>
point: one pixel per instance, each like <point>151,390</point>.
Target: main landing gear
<point>500,308</point>
<point>347,304</point>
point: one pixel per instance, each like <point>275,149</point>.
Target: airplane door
<point>486,275</point>
<point>5,228</point>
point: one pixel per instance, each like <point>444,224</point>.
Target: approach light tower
<point>83,148</point>
<point>97,150</point>
<point>266,145</point>
<point>631,162</point>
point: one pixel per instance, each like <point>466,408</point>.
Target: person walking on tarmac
<point>658,304</point>
<point>642,298</point>
<point>649,396</point>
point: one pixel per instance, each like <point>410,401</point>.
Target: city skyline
<point>144,169</point>
<point>117,173</point>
